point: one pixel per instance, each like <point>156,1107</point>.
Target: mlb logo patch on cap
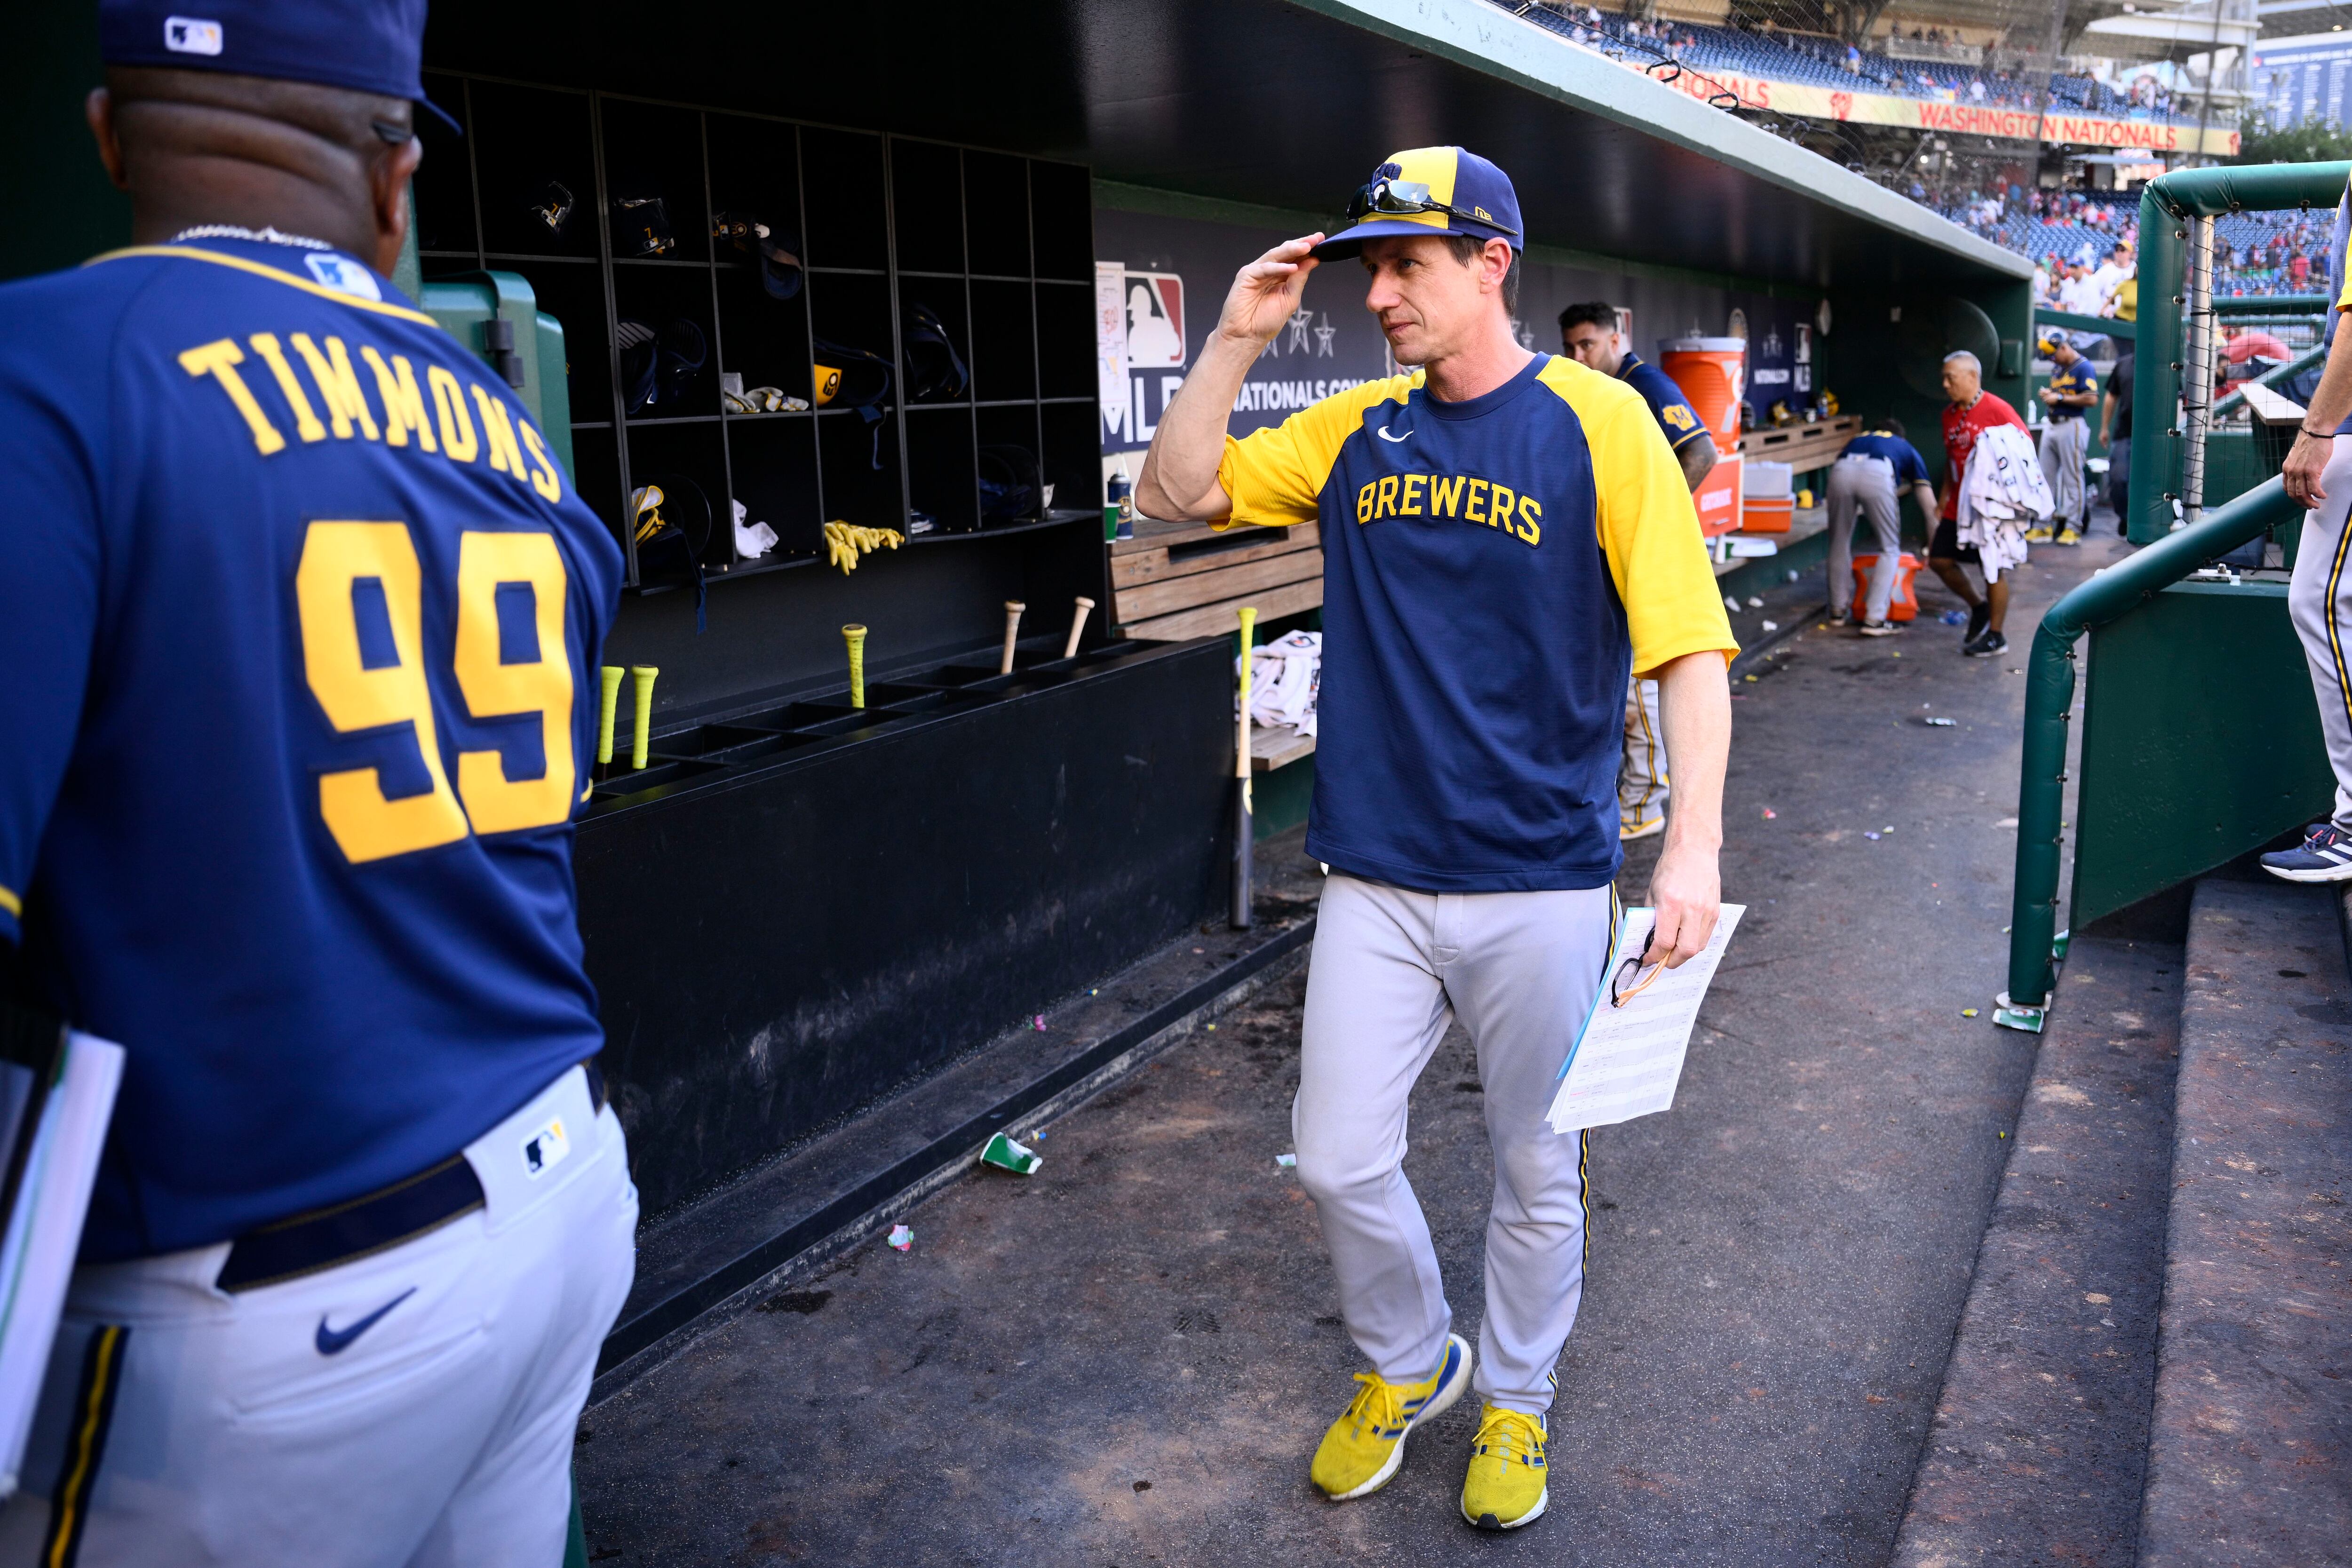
<point>192,36</point>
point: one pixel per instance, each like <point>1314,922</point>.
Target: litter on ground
<point>1285,1160</point>
<point>902,1238</point>
<point>1006,1155</point>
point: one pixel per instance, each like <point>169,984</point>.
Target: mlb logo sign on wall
<point>1155,321</point>
<point>192,36</point>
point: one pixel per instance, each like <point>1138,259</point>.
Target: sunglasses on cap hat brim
<point>1386,198</point>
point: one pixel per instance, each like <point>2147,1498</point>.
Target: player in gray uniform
<point>1864,480</point>
<point>2318,473</point>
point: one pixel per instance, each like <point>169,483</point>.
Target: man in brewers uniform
<point>1506,534</point>
<point>301,622</point>
<point>1589,333</point>
<point>1865,481</point>
<point>2073,391</point>
<point>2318,473</point>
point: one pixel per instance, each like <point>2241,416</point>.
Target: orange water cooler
<point>1713,374</point>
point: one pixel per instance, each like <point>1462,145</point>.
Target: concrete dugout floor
<point>1129,1359</point>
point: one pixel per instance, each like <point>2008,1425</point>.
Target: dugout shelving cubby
<point>994,247</point>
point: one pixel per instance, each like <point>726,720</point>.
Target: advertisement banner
<point>1959,118</point>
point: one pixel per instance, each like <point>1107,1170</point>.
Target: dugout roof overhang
<point>1276,103</point>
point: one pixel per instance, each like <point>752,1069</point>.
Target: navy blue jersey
<point>1491,570</point>
<point>1672,410</point>
<point>1902,459</point>
<point>301,623</point>
<point>2070,379</point>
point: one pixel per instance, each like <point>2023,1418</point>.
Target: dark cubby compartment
<point>996,214</point>
<point>940,466</point>
<point>841,170</point>
<point>445,208</point>
<point>1010,465</point>
<point>596,473</point>
<point>1066,340</point>
<point>530,147</point>
<point>860,460</point>
<point>655,154</point>
<point>773,458</point>
<point>755,177</point>
<point>674,304</point>
<point>1004,348</point>
<point>689,463</point>
<point>1073,456</point>
<point>1062,220</point>
<point>575,295</point>
<point>929,376</point>
<point>764,340</point>
<point>927,202</point>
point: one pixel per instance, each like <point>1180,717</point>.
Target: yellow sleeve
<point>1274,477</point>
<point>1650,535</point>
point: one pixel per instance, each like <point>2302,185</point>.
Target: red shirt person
<point>1971,411</point>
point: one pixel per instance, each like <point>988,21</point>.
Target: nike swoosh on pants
<point>334,1342</point>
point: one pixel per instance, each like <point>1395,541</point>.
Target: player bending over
<point>1506,535</point>
<point>301,621</point>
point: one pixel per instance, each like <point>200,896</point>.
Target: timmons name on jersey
<point>447,429</point>
<point>1464,496</point>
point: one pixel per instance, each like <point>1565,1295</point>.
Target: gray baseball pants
<point>1642,779</point>
<point>2064,444</point>
<point>1390,969</point>
<point>1866,486</point>
<point>2319,601</point>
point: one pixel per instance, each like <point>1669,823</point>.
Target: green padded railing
<point>2050,700</point>
<point>2163,205</point>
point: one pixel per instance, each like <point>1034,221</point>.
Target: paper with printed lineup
<point>1627,1061</point>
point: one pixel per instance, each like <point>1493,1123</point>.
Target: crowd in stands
<point>1819,60</point>
<point>2254,254</point>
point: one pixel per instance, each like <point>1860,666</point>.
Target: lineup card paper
<point>1627,1061</point>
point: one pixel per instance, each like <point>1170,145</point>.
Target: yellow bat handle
<point>1249,638</point>
<point>641,676</point>
<point>1077,625</point>
<point>608,704</point>
<point>854,637</point>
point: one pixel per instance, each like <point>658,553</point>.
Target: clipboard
<point>1628,1061</point>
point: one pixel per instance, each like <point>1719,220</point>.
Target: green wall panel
<point>2200,741</point>
<point>62,208</point>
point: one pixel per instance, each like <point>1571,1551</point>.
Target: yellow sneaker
<point>1627,832</point>
<point>1364,1447</point>
<point>2068,536</point>
<point>2037,535</point>
<point>1505,1488</point>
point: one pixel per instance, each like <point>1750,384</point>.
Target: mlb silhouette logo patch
<point>191,36</point>
<point>343,275</point>
<point>545,1148</point>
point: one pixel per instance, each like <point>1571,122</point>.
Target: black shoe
<point>1990,643</point>
<point>1980,618</point>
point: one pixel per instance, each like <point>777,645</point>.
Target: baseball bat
<point>1245,814</point>
<point>1077,625</point>
<point>1013,608</point>
<point>641,677</point>
<point>854,636</point>
<point>608,704</point>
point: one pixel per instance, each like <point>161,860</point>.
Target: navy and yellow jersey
<point>2067,379</point>
<point>1899,457</point>
<point>300,624</point>
<point>1672,410</point>
<point>1491,570</point>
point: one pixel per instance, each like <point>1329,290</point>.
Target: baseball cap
<point>367,46</point>
<point>1430,190</point>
